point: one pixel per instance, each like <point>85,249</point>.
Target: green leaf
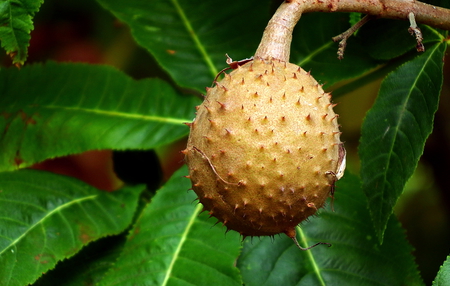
<point>189,38</point>
<point>396,40</point>
<point>45,218</point>
<point>171,244</point>
<point>354,17</point>
<point>84,107</point>
<point>16,23</point>
<point>355,257</point>
<point>395,130</point>
<point>88,266</point>
<point>443,276</point>
<point>313,49</point>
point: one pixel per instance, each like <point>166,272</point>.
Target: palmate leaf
<point>443,276</point>
<point>45,218</point>
<point>15,26</point>
<point>396,128</point>
<point>58,109</point>
<point>189,38</point>
<point>171,244</point>
<point>355,257</point>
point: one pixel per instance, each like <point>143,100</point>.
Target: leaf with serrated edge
<point>355,258</point>
<point>189,38</point>
<point>85,107</point>
<point>395,130</point>
<point>171,244</point>
<point>45,218</point>
<point>15,27</point>
<point>88,266</point>
<point>443,276</point>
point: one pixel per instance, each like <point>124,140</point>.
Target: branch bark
<point>277,37</point>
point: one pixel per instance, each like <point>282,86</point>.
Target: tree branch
<point>277,37</point>
<point>344,36</point>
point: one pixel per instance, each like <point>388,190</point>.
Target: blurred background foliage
<point>82,31</point>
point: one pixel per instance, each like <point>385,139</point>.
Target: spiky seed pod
<point>264,149</point>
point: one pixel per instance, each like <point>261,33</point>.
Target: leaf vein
<point>57,209</point>
<point>195,38</point>
<point>181,243</point>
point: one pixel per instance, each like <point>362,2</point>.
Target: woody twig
<point>277,36</point>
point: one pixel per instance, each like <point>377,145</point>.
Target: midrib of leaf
<point>310,256</point>
<point>314,53</point>
<point>182,241</point>
<point>92,197</point>
<point>434,31</point>
<point>194,37</point>
<point>123,115</point>
<point>403,108</point>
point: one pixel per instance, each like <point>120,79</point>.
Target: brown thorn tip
<point>188,124</point>
<point>334,117</point>
<point>311,205</point>
<point>222,105</point>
